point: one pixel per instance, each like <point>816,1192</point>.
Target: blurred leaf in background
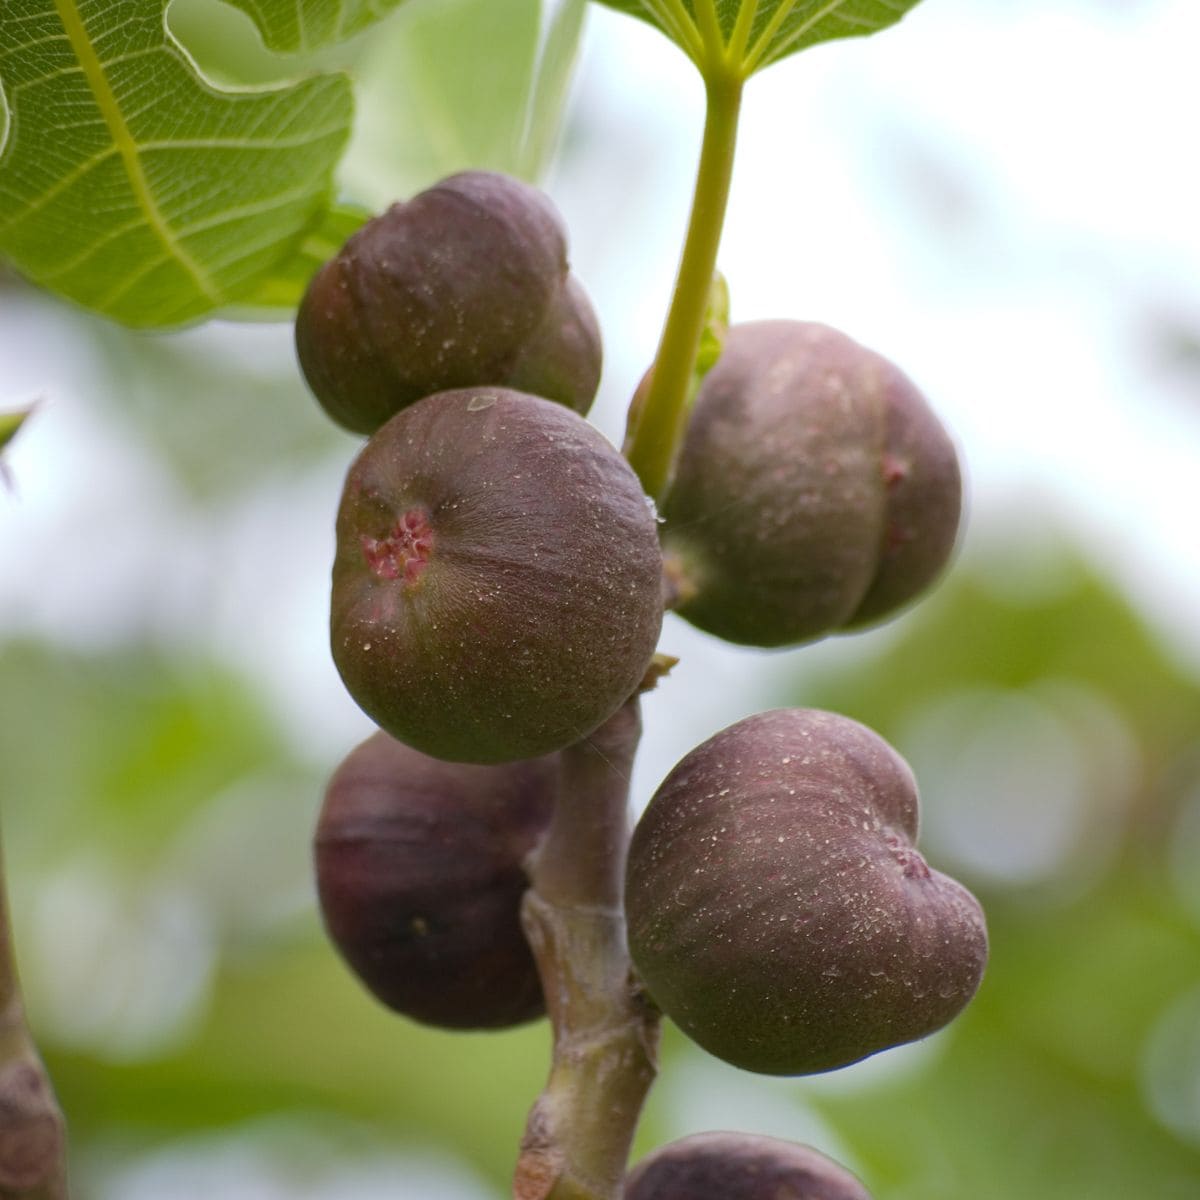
<point>461,84</point>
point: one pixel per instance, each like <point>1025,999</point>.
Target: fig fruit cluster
<point>497,587</point>
<point>497,583</point>
<point>497,595</point>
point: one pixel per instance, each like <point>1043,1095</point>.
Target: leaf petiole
<point>658,424</point>
<point>677,22</point>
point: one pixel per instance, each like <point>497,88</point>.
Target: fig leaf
<point>134,187</point>
<point>751,34</point>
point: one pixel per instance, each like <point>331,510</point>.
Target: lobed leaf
<point>300,26</point>
<point>276,294</point>
<point>754,33</point>
<point>131,185</point>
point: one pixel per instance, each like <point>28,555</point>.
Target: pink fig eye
<point>405,552</point>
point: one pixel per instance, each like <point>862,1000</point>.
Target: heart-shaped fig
<point>467,283</point>
<point>420,880</point>
<point>778,910</point>
<point>497,589</point>
<point>740,1166</point>
<point>814,490</point>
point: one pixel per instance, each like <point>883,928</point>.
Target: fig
<point>419,877</point>
<point>814,489</point>
<point>497,586</point>
<point>740,1166</point>
<point>467,283</point>
<point>778,909</point>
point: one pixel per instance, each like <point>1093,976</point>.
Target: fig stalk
<point>662,413</point>
<point>579,1131</point>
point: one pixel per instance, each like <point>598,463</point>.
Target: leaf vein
<point>126,146</point>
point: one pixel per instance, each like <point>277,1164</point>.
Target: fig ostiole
<point>467,283</point>
<point>779,911</point>
<point>740,1166</point>
<point>814,489</point>
<point>420,878</point>
<point>497,587</point>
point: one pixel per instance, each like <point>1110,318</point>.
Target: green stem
<point>659,422</point>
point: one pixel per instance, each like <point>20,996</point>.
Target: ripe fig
<point>497,588</point>
<point>740,1166</point>
<point>814,490</point>
<point>465,284</point>
<point>778,910</point>
<point>419,876</point>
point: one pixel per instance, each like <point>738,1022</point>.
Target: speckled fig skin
<point>419,876</point>
<point>778,910</point>
<point>561,359</point>
<point>740,1166</point>
<point>467,283</point>
<point>814,490</point>
<point>523,605</point>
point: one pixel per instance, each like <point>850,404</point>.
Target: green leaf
<point>301,26</point>
<point>453,75</point>
<point>550,87</point>
<point>277,293</point>
<point>131,185</point>
<point>472,83</point>
<point>747,35</point>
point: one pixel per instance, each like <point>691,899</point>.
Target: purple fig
<point>465,284</point>
<point>814,490</point>
<point>740,1166</point>
<point>778,909</point>
<point>420,881</point>
<point>497,589</point>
